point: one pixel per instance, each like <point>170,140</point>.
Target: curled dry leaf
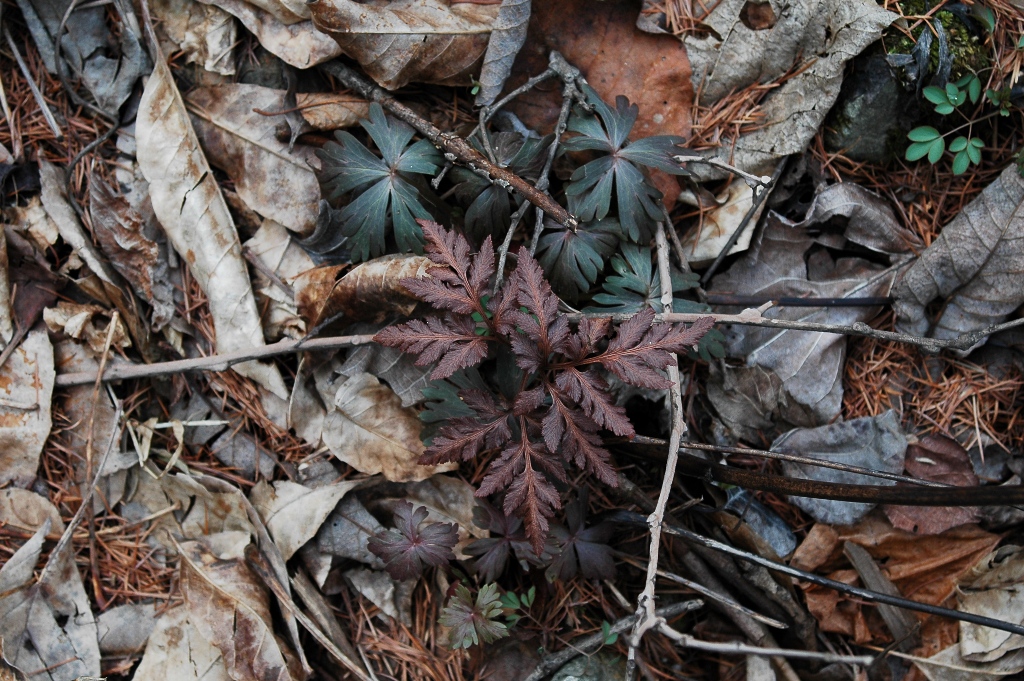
<point>177,651</point>
<point>993,588</point>
<point>27,511</point>
<point>406,41</point>
<point>205,34</point>
<point>240,138</point>
<point>6,311</point>
<point>47,627</point>
<point>122,233</point>
<point>189,205</point>
<point>331,110</point>
<point>229,607</point>
<point>293,513</point>
<point>507,37</point>
<point>939,459</point>
<point>703,245</point>
<point>279,254</point>
<point>297,44</point>
<point>811,40</point>
<point>86,323</point>
<point>372,291</point>
<point>975,264</point>
<point>26,386</point>
<point>370,430</point>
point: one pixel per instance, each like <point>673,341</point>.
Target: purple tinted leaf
<point>411,546</point>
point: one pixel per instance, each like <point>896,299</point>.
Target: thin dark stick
<point>503,249</point>
<point>759,198</point>
<point>454,148</point>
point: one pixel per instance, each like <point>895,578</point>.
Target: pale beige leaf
<point>371,431</point>
<point>293,513</point>
<point>410,40</point>
<point>189,205</point>
<point>275,181</point>
<point>204,33</point>
<point>280,254</point>
<point>701,246</point>
<point>88,323</point>
<point>976,264</point>
<point>26,386</point>
<point>993,588</point>
<point>228,605</point>
<point>178,652</point>
<point>330,111</point>
<point>299,45</point>
<point>27,511</point>
<point>6,313</point>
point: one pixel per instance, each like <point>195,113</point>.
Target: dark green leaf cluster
<point>383,192</point>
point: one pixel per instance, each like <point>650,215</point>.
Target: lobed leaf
<point>451,341</point>
<point>413,545</point>
<point>470,622</point>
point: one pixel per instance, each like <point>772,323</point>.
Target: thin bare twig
<point>736,648</point>
<point>503,249</point>
<point>591,643</point>
<point>645,616</point>
<point>454,148</point>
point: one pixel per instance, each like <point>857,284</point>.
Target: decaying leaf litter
<point>174,188</point>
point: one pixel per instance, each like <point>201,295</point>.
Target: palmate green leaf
<point>489,210</point>
<point>591,186</point>
<point>472,622</point>
<point>383,191</point>
<point>572,260</point>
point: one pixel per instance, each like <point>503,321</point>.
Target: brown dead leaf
<point>282,257</point>
<point>293,513</point>
<point>26,387</point>
<point>177,651</point>
<point>370,430</point>
<point>923,568</point>
<point>230,608</point>
<point>27,511</point>
<point>405,41</point>
<point>124,237</point>
<point>331,110</point>
<point>188,203</point>
<point>204,33</point>
<point>87,323</point>
<point>240,138</point>
<point>601,39</point>
<point>369,292</point>
<point>939,459</point>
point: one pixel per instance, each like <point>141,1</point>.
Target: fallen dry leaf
<point>177,651</point>
<point>228,605</point>
<point>992,588</point>
<point>939,459</point>
<point>393,598</point>
<point>330,110</point>
<point>601,40</point>
<point>204,33</point>
<point>507,37</point>
<point>950,665</point>
<point>810,39</point>
<point>923,568</point>
<point>390,365</point>
<point>124,630</point>
<point>371,291</point>
<point>86,323</point>
<point>298,44</point>
<point>240,138</point>
<point>410,41</point>
<point>47,627</point>
<point>191,208</point>
<point>975,264</point>
<point>717,226</point>
<point>370,430</point>
<point>6,311</point>
<point>26,386</point>
<point>293,513</point>
<point>125,237</point>
<point>27,511</point>
<point>281,255</point>
<point>875,442</point>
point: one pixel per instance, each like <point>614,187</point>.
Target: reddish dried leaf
<point>591,392</point>
<point>640,348</point>
<point>452,342</point>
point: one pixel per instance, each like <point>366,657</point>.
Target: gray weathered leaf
<point>975,264</point>
<point>274,180</point>
<point>25,510</point>
<point>392,366</point>
<point>274,246</point>
<point>347,531</point>
<point>299,44</point>
<point>124,630</point>
<point>394,598</point>
<point>26,385</point>
<point>370,430</point>
<point>786,261</point>
<point>875,442</point>
<point>293,513</point>
<point>206,34</point>
<point>191,208</point>
<point>507,37</point>
<point>177,651</point>
<point>992,588</point>
<point>407,41</point>
<point>813,37</point>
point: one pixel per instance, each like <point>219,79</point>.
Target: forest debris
<point>283,261</point>
<point>703,245</point>
<point>394,598</point>
<point>82,322</point>
<point>810,40</point>
<point>294,513</point>
<point>973,265</point>
<point>27,388</point>
<point>507,37</point>
<point>206,34</point>
<point>875,442</point>
<point>177,651</point>
<point>27,511</point>
<point>939,459</point>
<point>125,629</point>
<point>239,135</point>
<point>191,208</point>
<point>369,430</point>
<point>994,588</point>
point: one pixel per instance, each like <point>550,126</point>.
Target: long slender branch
<point>736,648</point>
<point>454,148</point>
<point>645,617</point>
